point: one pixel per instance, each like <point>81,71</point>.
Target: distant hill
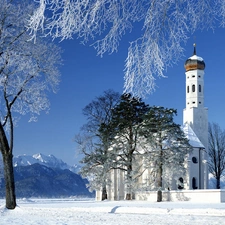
<point>46,177</point>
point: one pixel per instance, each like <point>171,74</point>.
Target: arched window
<point>199,88</point>
<point>193,88</point>
<point>180,183</point>
<point>194,160</point>
<point>194,183</point>
<point>187,89</point>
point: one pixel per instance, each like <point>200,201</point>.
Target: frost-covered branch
<point>164,28</point>
<point>28,71</point>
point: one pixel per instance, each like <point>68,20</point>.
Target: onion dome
<point>194,62</point>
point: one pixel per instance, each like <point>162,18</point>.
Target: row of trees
<point>28,71</point>
<point>122,130</point>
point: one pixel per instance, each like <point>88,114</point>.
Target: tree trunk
<point>9,181</point>
<point>159,192</point>
<point>128,196</point>
<point>104,193</point>
<point>218,183</point>
<point>159,196</point>
<point>129,179</point>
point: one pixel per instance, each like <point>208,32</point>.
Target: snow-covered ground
<point>90,212</point>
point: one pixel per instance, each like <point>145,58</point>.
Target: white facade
<point>199,196</point>
<point>196,172</point>
<point>196,116</point>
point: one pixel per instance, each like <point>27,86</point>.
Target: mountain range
<point>49,161</point>
<point>46,177</point>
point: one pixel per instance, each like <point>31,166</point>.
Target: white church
<point>195,126</point>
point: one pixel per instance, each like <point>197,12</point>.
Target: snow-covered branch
<point>166,26</point>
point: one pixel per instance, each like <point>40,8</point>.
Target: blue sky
<point>85,76</point>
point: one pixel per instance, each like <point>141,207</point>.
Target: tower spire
<point>194,53</point>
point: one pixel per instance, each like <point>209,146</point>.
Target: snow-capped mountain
<point>45,176</point>
<point>49,161</point>
<point>40,181</point>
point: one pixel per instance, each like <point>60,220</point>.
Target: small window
<point>193,88</point>
<point>199,76</point>
<point>194,183</point>
<point>199,88</point>
<point>187,89</point>
<point>180,183</point>
<point>193,102</point>
<point>194,160</point>
<point>199,102</point>
<point>193,75</point>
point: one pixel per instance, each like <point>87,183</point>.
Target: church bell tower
<point>195,114</point>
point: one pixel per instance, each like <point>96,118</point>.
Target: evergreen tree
<point>165,146</point>
<point>126,121</point>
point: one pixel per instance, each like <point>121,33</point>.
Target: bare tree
<point>164,28</point>
<point>27,72</point>
<point>95,139</point>
<point>216,159</point>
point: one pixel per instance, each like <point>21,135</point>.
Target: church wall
<point>193,174</point>
<point>98,195</point>
<point>213,196</point>
<point>197,118</point>
<point>116,189</point>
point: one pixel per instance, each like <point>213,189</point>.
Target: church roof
<point>192,137</point>
<point>194,62</point>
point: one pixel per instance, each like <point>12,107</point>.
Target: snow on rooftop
<point>190,134</point>
<point>195,57</point>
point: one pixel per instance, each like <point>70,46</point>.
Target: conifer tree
<point>166,146</point>
<point>126,121</point>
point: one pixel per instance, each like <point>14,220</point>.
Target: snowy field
<point>90,212</point>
